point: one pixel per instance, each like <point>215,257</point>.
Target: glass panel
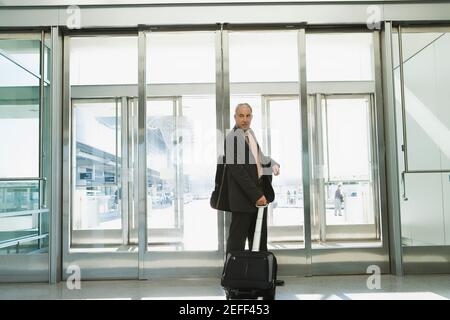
<point>427,119</point>
<point>426,74</point>
<point>199,169</point>
<point>19,121</point>
<point>257,58</point>
<point>19,224</point>
<point>348,184</point>
<point>24,52</point>
<point>98,208</point>
<point>263,56</point>
<point>181,144</point>
<point>181,57</point>
<point>425,216</point>
<point>23,226</point>
<point>103,60</point>
<point>286,143</point>
<point>96,172</point>
<point>162,198</point>
<point>339,57</point>
<point>348,139</point>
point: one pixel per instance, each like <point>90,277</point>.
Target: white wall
<point>446,204</point>
<point>423,214</point>
<point>427,75</point>
<point>426,214</point>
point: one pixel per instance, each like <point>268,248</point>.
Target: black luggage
<point>250,274</point>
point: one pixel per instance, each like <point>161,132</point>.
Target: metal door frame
<point>93,265</point>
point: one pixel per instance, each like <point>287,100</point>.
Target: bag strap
<point>221,185</point>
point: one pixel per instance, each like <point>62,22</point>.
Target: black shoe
<point>279,283</point>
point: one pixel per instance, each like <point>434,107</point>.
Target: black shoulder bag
<point>219,197</point>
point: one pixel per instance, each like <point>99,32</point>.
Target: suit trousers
<point>242,228</point>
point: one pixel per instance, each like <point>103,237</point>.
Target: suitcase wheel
<point>269,294</point>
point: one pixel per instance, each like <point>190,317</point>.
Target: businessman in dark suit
<point>249,177</point>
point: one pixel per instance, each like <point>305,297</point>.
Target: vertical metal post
<point>179,175</point>
<point>392,182</point>
<point>116,125</point>
<point>54,185</point>
<point>373,156</point>
<point>402,90</point>
<point>41,108</point>
<point>306,171</point>
<point>379,147</point>
<point>265,110</point>
<point>325,99</point>
<point>319,178</point>
<point>225,82</point>
<point>222,117</point>
<point>123,193</point>
<point>142,149</point>
<point>68,148</point>
<point>267,140</point>
<point>42,153</point>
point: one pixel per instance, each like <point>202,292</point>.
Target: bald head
<point>242,105</point>
<point>243,116</point>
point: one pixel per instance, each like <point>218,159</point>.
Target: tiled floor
<point>301,288</point>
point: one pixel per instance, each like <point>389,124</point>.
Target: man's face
<point>243,117</point>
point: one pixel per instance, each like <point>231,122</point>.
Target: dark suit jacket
<point>242,174</point>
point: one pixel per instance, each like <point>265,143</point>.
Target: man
<point>338,200</point>
<point>249,175</point>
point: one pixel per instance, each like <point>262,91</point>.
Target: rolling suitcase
<point>250,274</point>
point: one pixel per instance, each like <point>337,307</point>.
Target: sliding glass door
<point>144,128</point>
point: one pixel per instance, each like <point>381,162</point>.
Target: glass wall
<point>23,218</point>
<point>181,141</point>
<point>424,134</point>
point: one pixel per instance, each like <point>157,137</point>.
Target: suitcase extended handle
<point>258,227</point>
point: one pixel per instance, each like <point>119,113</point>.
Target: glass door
<point>99,156</point>
<point>142,136</point>
<point>284,136</point>
<point>181,231</point>
<point>138,180</point>
<point>345,202</point>
<point>345,211</point>
<point>264,64</point>
<point>98,205</point>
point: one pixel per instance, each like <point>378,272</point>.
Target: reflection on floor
<point>296,288</point>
